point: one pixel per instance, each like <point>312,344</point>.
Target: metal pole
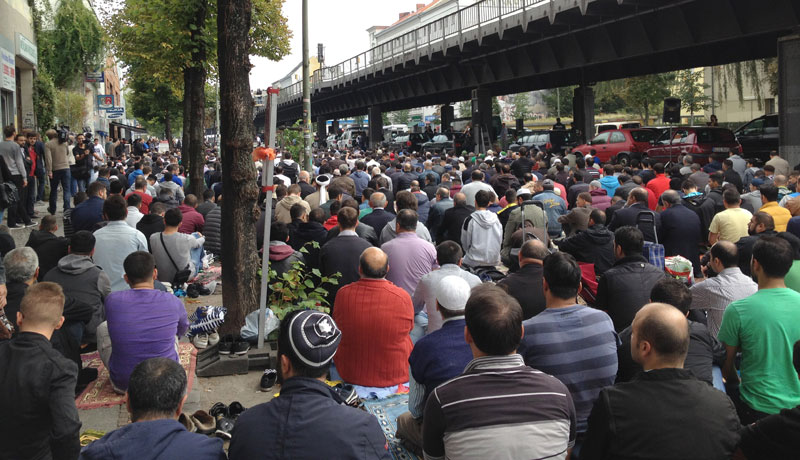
<point>306,93</point>
<point>558,102</point>
<point>216,122</point>
<point>271,118</point>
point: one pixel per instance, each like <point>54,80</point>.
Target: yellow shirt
<point>731,224</point>
<point>780,215</point>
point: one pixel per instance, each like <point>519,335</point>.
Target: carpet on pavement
<point>100,394</point>
<point>386,411</point>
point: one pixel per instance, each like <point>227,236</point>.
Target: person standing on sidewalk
<point>55,160</point>
<point>11,152</point>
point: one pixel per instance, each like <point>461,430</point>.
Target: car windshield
<point>643,135</point>
<point>715,136</point>
<point>440,138</point>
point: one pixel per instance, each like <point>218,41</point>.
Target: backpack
<point>290,170</point>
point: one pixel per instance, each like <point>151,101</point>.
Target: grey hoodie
<point>481,238</point>
<point>85,286</point>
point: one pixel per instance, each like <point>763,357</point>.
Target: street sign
<point>95,77</point>
<point>416,118</point>
<point>105,101</point>
<point>115,113</point>
<point>9,79</point>
<point>430,117</point>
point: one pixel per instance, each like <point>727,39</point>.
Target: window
<point>440,138</point>
<point>643,135</point>
<point>771,124</point>
<point>601,138</point>
<point>616,137</point>
<point>7,107</point>
<point>754,128</point>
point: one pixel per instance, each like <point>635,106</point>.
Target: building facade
<point>18,56</point>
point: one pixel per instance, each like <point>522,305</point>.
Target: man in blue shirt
<point>574,343</point>
<point>437,357</point>
<point>89,213</point>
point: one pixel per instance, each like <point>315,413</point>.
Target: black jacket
<point>704,352</point>
<point>15,292</point>
<point>715,195</point>
<point>663,414</point>
<point>594,245</point>
<point>681,234</point>
<point>212,231</point>
<point>307,421</point>
<point>625,288</point>
<point>37,394</point>
<point>307,232</point>
<point>773,437</point>
<point>404,181</point>
<point>378,219</point>
<point>153,223</point>
<point>363,230</point>
<point>49,248</point>
<point>745,248</point>
<point>705,210</point>
<point>525,285</point>
<point>452,223</point>
<point>628,216</point>
<point>306,189</point>
<point>342,254</point>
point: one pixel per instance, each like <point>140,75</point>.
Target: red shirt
<point>656,187</point>
<point>375,318</point>
<point>146,201</point>
<point>32,153</point>
<point>192,222</point>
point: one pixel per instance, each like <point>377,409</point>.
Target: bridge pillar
<point>375,126</point>
<point>789,98</point>
<point>583,111</point>
<point>321,130</point>
<point>447,117</point>
<point>335,127</point>
<point>481,115</point>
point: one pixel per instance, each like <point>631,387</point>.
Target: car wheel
<point>623,159</point>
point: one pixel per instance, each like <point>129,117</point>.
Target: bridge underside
<point>612,39</point>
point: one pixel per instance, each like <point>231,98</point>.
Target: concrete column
<point>335,127</point>
<point>375,126</point>
<point>447,117</point>
<point>321,130</point>
<point>583,111</point>
<point>481,115</point>
<point>789,98</point>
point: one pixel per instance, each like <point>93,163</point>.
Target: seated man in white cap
<point>307,420</point>
<point>436,358</point>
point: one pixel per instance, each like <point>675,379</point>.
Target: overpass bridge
<point>496,47</point>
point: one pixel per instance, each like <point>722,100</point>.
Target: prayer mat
<point>100,394</point>
<point>386,411</point>
<point>212,273</point>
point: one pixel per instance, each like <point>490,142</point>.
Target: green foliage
<point>465,109</point>
<point>70,109</point>
<point>644,94</point>
<point>495,107</point>
<point>44,94</point>
<point>299,289</point>
<point>752,73</point>
<point>691,91</point>
<point>155,103</point>
<point>608,96</point>
<point>401,117</point>
<point>73,46</point>
<point>291,138</point>
<point>559,101</point>
<point>520,102</point>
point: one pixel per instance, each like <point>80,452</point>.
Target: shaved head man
<point>664,403</point>
<point>373,263</point>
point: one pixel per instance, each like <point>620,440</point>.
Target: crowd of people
<point>519,297</point>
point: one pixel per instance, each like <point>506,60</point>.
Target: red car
<point>618,145</point>
<point>698,141</point>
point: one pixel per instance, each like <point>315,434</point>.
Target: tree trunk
<point>240,262</point>
<point>186,139</point>
<point>195,152</point>
<point>168,129</point>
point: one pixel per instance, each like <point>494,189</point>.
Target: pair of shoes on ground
<point>203,340</point>
<point>347,393</point>
<point>200,422</point>
<point>17,226</point>
<point>225,417</point>
<point>268,380</point>
<point>230,345</point>
<point>195,290</point>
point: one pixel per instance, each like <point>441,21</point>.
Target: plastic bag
<point>250,328</point>
<point>679,267</point>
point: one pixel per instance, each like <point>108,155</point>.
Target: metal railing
<point>473,17</point>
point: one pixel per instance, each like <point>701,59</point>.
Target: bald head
<point>377,200</point>
<point>304,176</point>
<point>459,199</point>
<point>660,337</point>
<point>373,263</point>
<point>532,250</point>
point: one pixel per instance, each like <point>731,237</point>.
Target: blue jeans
<point>716,376</point>
<point>420,326</point>
<point>63,177</point>
<point>196,255</point>
<point>40,187</point>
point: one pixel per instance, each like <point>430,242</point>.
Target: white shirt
<point>134,216</point>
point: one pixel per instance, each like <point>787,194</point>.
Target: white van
<point>601,127</point>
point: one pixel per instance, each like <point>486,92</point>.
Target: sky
<point>340,25</point>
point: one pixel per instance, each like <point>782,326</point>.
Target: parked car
<point>545,141</point>
<point>332,141</point>
<point>698,141</point>
<point>759,136</point>
<point>350,137</point>
<point>618,145</point>
<point>602,127</point>
<point>411,142</point>
<point>439,143</point>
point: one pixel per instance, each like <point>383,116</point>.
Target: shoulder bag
<point>181,276</point>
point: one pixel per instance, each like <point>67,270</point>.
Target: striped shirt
<point>715,294</point>
<point>578,346</point>
<point>499,408</point>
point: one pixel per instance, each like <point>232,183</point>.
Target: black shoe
<point>202,289</point>
<point>32,224</point>
<point>192,292</point>
<point>347,393</point>
<point>240,347</point>
<point>235,409</point>
<point>225,345</point>
<point>224,424</point>
<point>15,226</point>
<point>268,380</point>
<point>218,410</point>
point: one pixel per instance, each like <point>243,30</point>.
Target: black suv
<point>411,142</point>
<point>759,137</point>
